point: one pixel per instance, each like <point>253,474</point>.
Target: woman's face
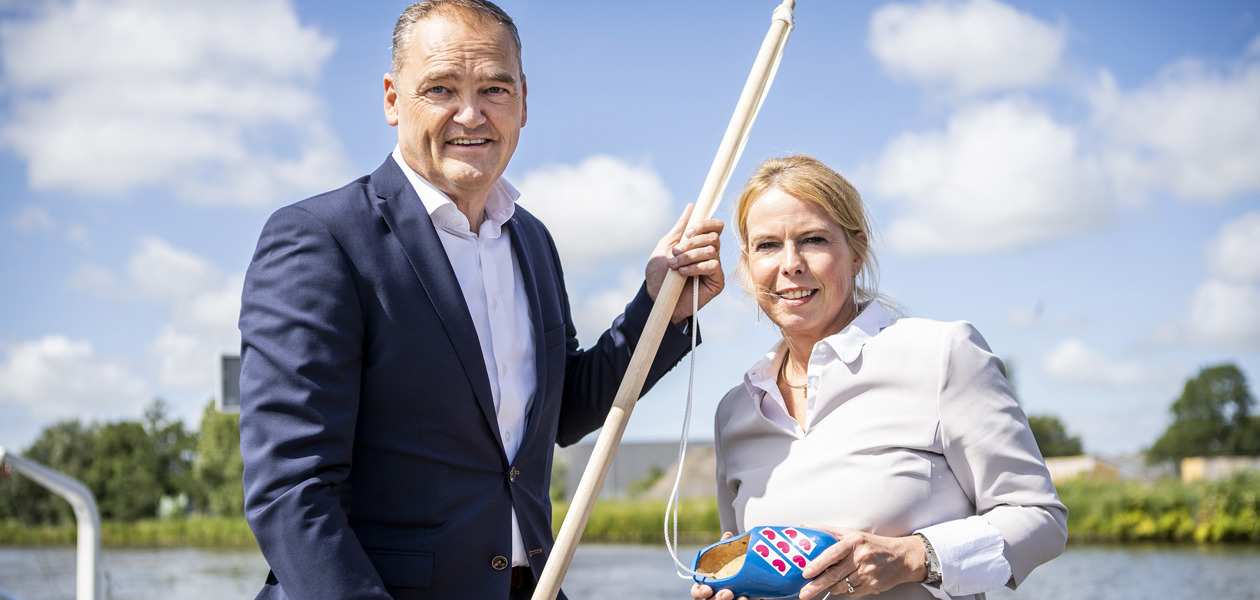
<point>800,265</point>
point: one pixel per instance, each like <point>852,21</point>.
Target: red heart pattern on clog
<point>779,566</point>
<point>801,541</point>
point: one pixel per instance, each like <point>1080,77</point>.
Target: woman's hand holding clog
<point>862,563</point>
<point>700,592</point>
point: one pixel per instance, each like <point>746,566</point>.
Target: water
<point>646,573</point>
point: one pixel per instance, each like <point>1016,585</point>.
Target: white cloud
<point>726,318</point>
<point>94,279</point>
<point>78,233</point>
<point>203,304</point>
<point>212,98</point>
<point>1193,131</point>
<point>1166,333</point>
<point>164,271</point>
<point>1022,317</point>
<point>1226,314</point>
<point>1001,175</point>
<point>731,316</point>
<point>1234,254</point>
<point>1225,309</point>
<point>33,218</point>
<point>593,313</point>
<point>1223,312</point>
<point>603,208</point>
<point>967,48</point>
<point>56,377</point>
<point>1074,362</point>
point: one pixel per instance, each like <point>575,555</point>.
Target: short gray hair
<point>466,11</point>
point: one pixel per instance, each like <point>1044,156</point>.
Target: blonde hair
<point>808,179</point>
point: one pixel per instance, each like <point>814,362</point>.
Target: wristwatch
<point>930,562</point>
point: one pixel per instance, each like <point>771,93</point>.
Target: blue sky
<point>1081,180</point>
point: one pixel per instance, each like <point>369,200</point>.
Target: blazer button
<point>512,473</point>
<point>499,563</point>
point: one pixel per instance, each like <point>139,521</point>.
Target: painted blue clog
<point>765,562</point>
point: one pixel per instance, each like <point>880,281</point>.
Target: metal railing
<point>88,574</point>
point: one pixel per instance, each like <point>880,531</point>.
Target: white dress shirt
<point>910,426</point>
<point>490,278</point>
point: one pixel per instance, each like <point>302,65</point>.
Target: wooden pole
<point>714,185</point>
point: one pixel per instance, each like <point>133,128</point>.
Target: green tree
<point>175,448</point>
<point>1052,437</point>
<point>128,466</point>
<point>645,483</point>
<point>559,471</point>
<point>125,474</point>
<point>217,467</point>
<point>1212,417</point>
<point>65,446</point>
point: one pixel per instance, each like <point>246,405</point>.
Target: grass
<point>642,522</point>
<point>1164,511</point>
<point>1100,512</point>
<point>206,532</point>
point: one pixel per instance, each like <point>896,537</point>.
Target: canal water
<point>612,572</point>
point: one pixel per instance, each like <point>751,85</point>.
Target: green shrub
<point>194,531</point>
<point>643,522</point>
<point>1166,510</point>
<point>1116,511</point>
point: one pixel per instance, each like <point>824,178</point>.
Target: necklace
<point>783,374</point>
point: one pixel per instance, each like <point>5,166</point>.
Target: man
<point>408,357</point>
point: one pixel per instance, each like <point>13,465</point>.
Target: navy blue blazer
<point>373,462</point>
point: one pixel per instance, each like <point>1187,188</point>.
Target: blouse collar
<point>849,342</point>
<point>847,346</point>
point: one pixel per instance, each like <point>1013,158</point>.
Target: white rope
<point>672,505</point>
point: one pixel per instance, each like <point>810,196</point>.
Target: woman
<point>901,437</point>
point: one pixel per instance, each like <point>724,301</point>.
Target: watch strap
<point>930,562</point>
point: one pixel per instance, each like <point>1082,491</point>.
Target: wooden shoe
<point>765,562</point>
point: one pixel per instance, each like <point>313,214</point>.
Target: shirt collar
<point>761,381</point>
<point>763,374</point>
<point>847,346</point>
<point>500,205</point>
<point>849,342</point>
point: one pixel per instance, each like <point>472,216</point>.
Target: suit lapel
<point>525,259</point>
<point>404,213</point>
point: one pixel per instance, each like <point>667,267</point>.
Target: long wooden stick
<point>714,185</point>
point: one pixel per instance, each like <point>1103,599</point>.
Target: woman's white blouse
<point>911,426</point>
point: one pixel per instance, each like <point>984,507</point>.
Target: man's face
<point>459,104</point>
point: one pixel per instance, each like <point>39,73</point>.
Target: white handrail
<point>88,575</point>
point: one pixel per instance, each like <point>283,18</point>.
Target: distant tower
<point>229,398</point>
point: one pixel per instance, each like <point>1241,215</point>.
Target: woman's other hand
<point>699,591</point>
<point>862,563</point>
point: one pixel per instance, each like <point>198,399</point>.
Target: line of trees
<point>156,467</point>
<point>1053,438</point>
<point>1212,417</point>
<point>135,469</point>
